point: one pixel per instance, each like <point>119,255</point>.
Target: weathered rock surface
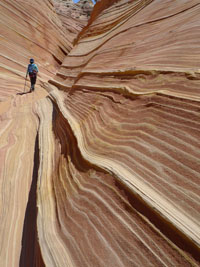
<point>29,29</point>
<point>111,142</point>
<point>73,16</point>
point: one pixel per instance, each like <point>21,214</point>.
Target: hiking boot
<point>32,88</point>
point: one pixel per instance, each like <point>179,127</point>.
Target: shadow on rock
<point>24,93</point>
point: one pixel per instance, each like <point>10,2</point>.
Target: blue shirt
<point>32,68</point>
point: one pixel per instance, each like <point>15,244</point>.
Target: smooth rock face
<point>29,30</point>
<point>100,166</point>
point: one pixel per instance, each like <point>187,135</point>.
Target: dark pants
<point>33,81</point>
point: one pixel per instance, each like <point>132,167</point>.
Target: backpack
<point>32,70</point>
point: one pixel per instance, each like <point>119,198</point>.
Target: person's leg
<point>33,80</point>
<point>33,83</point>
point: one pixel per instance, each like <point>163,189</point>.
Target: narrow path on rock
<point>22,100</point>
<point>18,131</point>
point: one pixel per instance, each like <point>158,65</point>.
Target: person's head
<point>31,60</point>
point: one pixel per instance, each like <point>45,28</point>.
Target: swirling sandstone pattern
<point>112,144</point>
<point>73,16</point>
<point>29,29</point>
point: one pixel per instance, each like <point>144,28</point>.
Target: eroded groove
<point>83,190</point>
<point>64,135</point>
<point>30,252</point>
<point>164,226</point>
<point>119,143</point>
<point>57,60</point>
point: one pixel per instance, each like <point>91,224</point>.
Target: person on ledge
<point>32,70</point>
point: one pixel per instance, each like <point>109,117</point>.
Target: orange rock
<point>131,85</point>
<point>100,166</point>
<point>29,30</point>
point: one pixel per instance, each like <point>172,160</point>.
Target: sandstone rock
<point>132,102</point>
<point>29,30</point>
<point>111,142</point>
<point>73,16</point>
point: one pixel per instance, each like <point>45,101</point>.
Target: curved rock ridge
<point>18,179</point>
<point>93,212</point>
<point>100,166</point>
<point>29,29</point>
<point>131,99</point>
<point>74,17</point>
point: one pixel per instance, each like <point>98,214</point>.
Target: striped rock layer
<point>29,29</point>
<point>100,166</point>
<point>73,16</point>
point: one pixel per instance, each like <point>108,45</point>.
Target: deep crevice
<point>69,149</point>
<point>57,60</point>
<point>170,231</point>
<point>30,252</point>
<point>161,224</point>
<point>63,51</point>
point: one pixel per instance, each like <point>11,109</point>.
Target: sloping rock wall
<point>131,96</point>
<point>101,164</point>
<point>73,16</point>
<point>29,29</point>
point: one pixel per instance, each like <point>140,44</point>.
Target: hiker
<point>32,70</point>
